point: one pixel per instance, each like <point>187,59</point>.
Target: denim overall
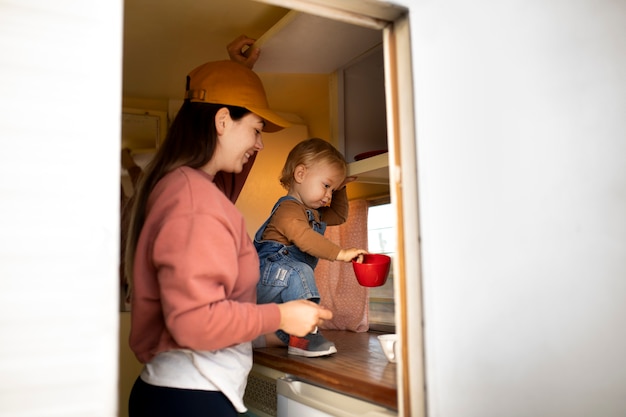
<point>286,271</point>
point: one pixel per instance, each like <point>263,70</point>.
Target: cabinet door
<point>364,115</point>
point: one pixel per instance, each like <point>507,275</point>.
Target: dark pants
<point>152,401</point>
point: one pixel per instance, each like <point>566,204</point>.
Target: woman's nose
<point>259,144</point>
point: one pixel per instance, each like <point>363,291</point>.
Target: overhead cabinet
<point>301,43</point>
<point>305,44</point>
<point>372,170</point>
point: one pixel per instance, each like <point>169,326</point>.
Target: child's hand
<point>347,255</point>
<point>346,181</point>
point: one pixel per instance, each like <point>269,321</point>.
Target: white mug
<point>389,343</point>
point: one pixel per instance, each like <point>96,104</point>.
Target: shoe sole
<point>310,354</point>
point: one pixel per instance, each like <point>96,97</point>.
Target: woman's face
<point>314,185</point>
<point>237,141</point>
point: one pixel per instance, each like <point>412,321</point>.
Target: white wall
<point>60,100</point>
<point>521,142</point>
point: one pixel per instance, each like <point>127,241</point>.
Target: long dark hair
<point>190,141</point>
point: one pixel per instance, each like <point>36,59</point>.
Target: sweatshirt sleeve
<point>337,212</point>
<point>207,270</point>
<point>291,221</point>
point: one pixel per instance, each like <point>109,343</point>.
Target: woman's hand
<point>300,317</point>
<point>236,51</point>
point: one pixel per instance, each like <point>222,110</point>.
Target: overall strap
<point>259,234</point>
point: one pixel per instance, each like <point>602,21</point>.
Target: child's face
<point>314,185</point>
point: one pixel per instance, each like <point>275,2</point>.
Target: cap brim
<point>273,122</point>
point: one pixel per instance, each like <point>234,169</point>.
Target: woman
<point>194,268</point>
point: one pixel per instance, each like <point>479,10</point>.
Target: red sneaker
<point>312,345</point>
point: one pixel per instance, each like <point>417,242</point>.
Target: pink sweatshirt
<point>195,272</point>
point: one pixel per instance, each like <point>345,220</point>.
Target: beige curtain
<point>339,290</point>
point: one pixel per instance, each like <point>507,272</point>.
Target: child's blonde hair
<point>309,152</point>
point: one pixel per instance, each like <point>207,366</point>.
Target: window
<point>381,235</point>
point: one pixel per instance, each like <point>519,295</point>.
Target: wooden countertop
<point>359,368</point>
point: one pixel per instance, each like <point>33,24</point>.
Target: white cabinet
<point>298,398</point>
<point>301,43</point>
<point>373,170</point>
<point>361,96</point>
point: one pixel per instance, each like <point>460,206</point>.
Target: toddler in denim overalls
<point>291,241</point>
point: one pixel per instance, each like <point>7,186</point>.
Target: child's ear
<point>298,173</point>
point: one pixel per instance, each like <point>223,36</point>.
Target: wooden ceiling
<point>165,39</point>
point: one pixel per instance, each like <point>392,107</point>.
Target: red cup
<point>373,271</point>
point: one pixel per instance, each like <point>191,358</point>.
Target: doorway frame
<point>394,23</point>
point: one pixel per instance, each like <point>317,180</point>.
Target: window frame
<point>382,326</point>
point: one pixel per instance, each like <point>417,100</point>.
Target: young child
<point>291,240</point>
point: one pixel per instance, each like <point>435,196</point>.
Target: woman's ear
<point>298,173</point>
<point>222,118</point>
